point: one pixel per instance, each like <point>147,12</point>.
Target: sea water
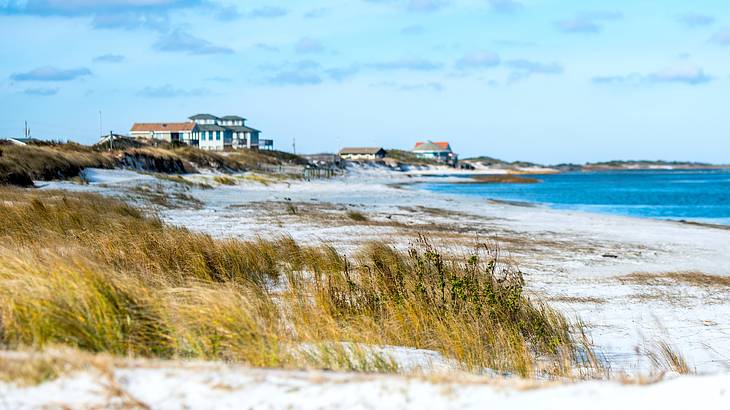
<point>693,195</point>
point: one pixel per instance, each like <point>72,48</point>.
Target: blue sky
<point>542,80</point>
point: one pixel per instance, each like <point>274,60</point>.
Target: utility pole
<point>294,145</point>
<point>111,141</point>
<point>25,130</point>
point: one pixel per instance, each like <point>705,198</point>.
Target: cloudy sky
<point>542,80</point>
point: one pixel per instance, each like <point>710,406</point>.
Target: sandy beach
<point>633,281</point>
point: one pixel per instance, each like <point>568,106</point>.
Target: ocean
<point>692,195</point>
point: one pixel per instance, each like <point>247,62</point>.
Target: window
<point>217,135</point>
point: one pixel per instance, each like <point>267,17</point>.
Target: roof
<point>240,128</point>
<point>432,146</point>
<point>210,127</point>
<point>233,118</point>
<point>203,117</point>
<point>361,150</point>
<point>163,126</point>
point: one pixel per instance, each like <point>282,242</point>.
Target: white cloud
<point>49,73</point>
<point>181,41</point>
<point>478,59</point>
<point>721,38</point>
<point>307,45</point>
<point>679,74</point>
<point>695,19</point>
<point>505,6</point>
<point>588,22</point>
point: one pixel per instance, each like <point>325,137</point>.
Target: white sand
<point>216,386</point>
<point>561,253</point>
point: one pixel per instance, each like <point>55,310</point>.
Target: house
<point>362,153</point>
<point>438,151</point>
<point>207,132</point>
<point>165,131</point>
<point>323,159</point>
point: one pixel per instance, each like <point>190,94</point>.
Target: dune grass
<point>49,160</point>
<point>663,356</point>
<point>93,273</point>
<point>24,163</point>
<point>357,216</point>
<point>697,279</point>
<point>224,180</point>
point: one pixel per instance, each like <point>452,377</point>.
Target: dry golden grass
<point>20,165</point>
<point>357,216</point>
<point>665,357</point>
<point>223,180</point>
<point>24,163</point>
<point>698,279</point>
<point>93,273</point>
<point>577,299</point>
<point>27,368</point>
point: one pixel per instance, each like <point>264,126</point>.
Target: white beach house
<point>205,131</point>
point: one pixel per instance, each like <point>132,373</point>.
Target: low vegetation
<point>357,216</point>
<point>698,279</point>
<point>224,180</point>
<point>664,356</point>
<point>93,273</point>
<point>20,165</point>
<point>408,157</point>
<point>45,161</point>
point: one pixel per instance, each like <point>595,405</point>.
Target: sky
<point>549,81</point>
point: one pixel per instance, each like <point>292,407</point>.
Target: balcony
<point>266,144</point>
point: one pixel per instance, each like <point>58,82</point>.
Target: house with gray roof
<point>207,132</point>
<point>362,153</point>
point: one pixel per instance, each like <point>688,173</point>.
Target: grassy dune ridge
<point>93,273</point>
<point>20,165</point>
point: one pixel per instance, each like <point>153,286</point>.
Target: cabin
<point>362,153</point>
<point>437,151</point>
<point>206,131</point>
<point>165,131</point>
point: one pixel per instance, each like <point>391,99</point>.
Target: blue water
<point>696,195</point>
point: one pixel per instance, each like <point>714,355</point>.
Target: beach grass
<point>697,279</point>
<point>93,273</point>
<point>224,180</point>
<point>357,216</point>
<point>45,161</point>
<point>20,165</point>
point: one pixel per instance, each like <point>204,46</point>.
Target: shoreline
<point>526,179</point>
<point>561,252</point>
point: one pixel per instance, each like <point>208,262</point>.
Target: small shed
<point>362,153</point>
